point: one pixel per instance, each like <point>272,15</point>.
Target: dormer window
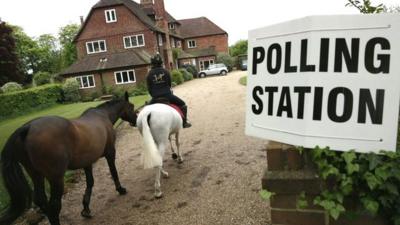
<point>111,16</point>
<point>192,44</point>
<point>171,26</point>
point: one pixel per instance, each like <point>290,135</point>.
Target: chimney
<point>81,18</point>
<point>147,3</point>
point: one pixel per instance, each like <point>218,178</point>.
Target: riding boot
<point>186,124</point>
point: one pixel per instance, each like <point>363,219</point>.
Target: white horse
<point>157,123</point>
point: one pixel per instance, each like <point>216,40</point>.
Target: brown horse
<point>48,146</point>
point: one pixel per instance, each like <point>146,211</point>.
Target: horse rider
<point>159,86</point>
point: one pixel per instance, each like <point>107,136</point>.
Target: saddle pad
<point>177,109</point>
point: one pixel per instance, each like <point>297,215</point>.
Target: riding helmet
<point>156,60</point>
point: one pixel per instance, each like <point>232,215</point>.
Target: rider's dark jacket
<point>159,82</point>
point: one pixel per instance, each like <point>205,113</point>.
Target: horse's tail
<point>14,178</point>
<point>150,157</point>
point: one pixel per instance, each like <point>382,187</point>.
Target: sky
<point>236,17</point>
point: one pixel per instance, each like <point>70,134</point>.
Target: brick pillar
<point>288,175</point>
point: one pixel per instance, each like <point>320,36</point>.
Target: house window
<point>178,43</point>
<point>96,46</point>
<point>111,16</point>
<point>160,40</point>
<point>134,41</point>
<point>86,81</point>
<point>171,26</point>
<point>125,77</point>
<point>204,64</point>
<point>192,44</point>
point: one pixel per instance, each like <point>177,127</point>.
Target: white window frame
<point>179,43</point>
<point>137,41</point>
<point>92,43</point>
<point>81,86</point>
<point>193,45</point>
<point>171,26</point>
<point>160,40</point>
<point>210,62</point>
<point>122,79</point>
<point>109,13</point>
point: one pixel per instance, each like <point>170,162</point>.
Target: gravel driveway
<point>218,183</point>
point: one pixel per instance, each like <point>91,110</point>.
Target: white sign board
<point>327,81</point>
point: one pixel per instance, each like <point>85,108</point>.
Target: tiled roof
<point>198,27</point>
<point>196,53</point>
<point>108,61</point>
<point>131,5</point>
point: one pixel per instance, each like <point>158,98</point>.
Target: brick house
<point>118,38</point>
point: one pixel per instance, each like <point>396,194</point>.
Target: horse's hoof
<point>158,195</point>
<point>174,156</point>
<point>121,191</point>
<point>165,174</point>
<point>86,214</point>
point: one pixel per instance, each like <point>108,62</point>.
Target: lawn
<point>7,127</point>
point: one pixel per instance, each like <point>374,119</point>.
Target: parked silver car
<point>213,70</point>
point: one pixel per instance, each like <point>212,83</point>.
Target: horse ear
<point>126,96</point>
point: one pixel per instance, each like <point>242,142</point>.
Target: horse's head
<point>128,112</point>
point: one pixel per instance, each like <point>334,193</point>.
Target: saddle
<point>166,102</point>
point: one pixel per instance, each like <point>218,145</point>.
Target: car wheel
<point>223,72</point>
<point>202,75</point>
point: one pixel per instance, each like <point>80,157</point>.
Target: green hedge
<point>177,77</point>
<point>17,103</point>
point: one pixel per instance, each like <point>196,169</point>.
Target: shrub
<point>226,59</point>
<point>41,78</point>
<point>95,95</point>
<point>186,75</point>
<point>177,77</point>
<point>21,102</point>
<point>191,69</point>
<point>71,90</point>
<point>140,89</point>
<point>11,87</point>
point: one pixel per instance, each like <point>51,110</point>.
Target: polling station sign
<point>327,81</point>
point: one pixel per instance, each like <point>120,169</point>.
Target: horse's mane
<point>103,105</point>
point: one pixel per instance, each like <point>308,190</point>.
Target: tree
<point>27,50</point>
<point>49,54</point>
<point>68,48</point>
<point>365,7</point>
<point>239,48</point>
<point>225,59</point>
<point>9,63</point>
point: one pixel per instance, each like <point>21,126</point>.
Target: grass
<point>243,81</point>
<point>69,111</point>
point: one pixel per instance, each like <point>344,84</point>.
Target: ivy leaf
<point>391,188</point>
<point>336,211</point>
<point>302,201</point>
<point>352,168</point>
<point>266,195</point>
<point>349,156</point>
<point>382,172</point>
<point>372,181</point>
<point>329,170</point>
<point>374,160</point>
<point>371,205</point>
<point>346,185</point>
